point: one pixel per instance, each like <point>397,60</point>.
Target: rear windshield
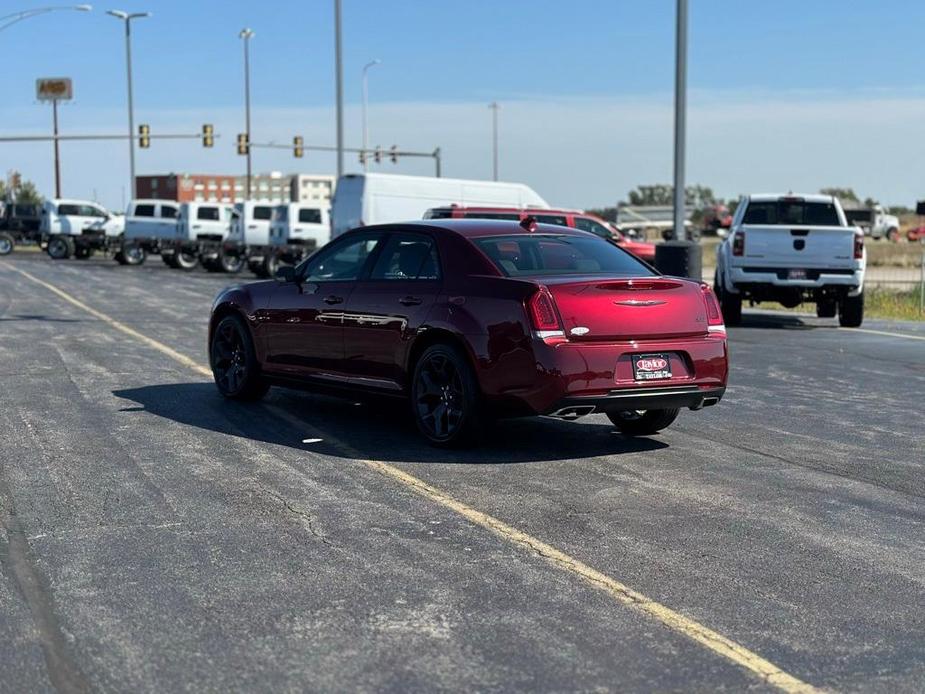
<point>523,255</point>
<point>792,212</point>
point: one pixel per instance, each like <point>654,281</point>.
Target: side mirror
<point>286,273</point>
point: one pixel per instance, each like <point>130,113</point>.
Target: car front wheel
<point>642,422</point>
<point>445,399</point>
<point>234,362</point>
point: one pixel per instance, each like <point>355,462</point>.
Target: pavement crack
<point>307,520</point>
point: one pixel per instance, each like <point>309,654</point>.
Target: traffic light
<point>378,155</point>
<point>144,136</point>
<point>208,135</point>
<point>243,143</point>
<point>394,154</point>
<point>297,149</point>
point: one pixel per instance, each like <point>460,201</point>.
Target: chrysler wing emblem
<point>639,302</point>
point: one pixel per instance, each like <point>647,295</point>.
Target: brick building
<point>267,187</point>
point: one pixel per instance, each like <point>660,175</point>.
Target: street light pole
<point>127,20</point>
<point>680,118</point>
<point>339,88</point>
<point>366,67</point>
<point>494,139</point>
<point>246,34</point>
<point>9,20</point>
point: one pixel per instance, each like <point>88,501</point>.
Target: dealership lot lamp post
<point>366,67</point>
<point>494,139</point>
<point>9,20</point>
<point>247,34</point>
<point>127,20</point>
<point>680,117</point>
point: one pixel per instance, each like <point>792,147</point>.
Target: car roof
<point>474,228</point>
<point>773,197</point>
<point>518,210</point>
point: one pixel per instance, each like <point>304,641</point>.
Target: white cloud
<point>574,151</point>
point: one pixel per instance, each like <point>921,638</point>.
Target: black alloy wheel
<point>234,364</point>
<point>444,396</point>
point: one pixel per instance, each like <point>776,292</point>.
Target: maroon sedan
<point>472,319</point>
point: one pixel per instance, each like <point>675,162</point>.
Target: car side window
<point>144,210</point>
<point>595,228</point>
<point>310,215</point>
<point>343,261</point>
<point>168,212</point>
<point>90,211</point>
<point>558,220</point>
<point>210,214</point>
<point>67,210</point>
<point>407,257</point>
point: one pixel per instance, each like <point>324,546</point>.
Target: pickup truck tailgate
<point>797,247</point>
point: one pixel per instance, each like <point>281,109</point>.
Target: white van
<point>374,198</point>
<point>148,225</point>
<point>78,228</point>
<point>202,228</point>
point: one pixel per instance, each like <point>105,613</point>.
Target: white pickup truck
<point>791,249</point>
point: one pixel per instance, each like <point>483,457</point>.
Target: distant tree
<point>2,190</point>
<point>663,194</point>
<point>28,194</point>
<point>900,210</point>
<point>608,213</point>
<point>843,194</point>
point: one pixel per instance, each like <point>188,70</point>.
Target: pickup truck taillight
<point>738,243</point>
<point>715,323</point>
<point>858,246</point>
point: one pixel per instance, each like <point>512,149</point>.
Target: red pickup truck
<point>566,218</point>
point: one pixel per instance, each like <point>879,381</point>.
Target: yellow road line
<point>884,332</point>
<point>706,637</point>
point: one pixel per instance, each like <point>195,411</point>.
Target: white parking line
<point>905,336</point>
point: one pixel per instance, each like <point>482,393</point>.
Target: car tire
<point>892,234</point>
<point>446,402</point>
<point>730,304</point>
<point>232,264</point>
<point>132,254</point>
<point>851,311</point>
<point>826,308</point>
<point>185,260</point>
<point>642,422</point>
<point>60,247</point>
<point>234,361</point>
<point>270,266</point>
<point>6,244</point>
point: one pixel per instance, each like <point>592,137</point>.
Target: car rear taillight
<point>738,243</point>
<point>715,323</point>
<point>544,317</point>
<point>858,246</point>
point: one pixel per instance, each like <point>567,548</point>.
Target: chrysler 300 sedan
<point>473,319</point>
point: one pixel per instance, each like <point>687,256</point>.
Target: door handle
<point>410,301</point>
<point>197,226</point>
<point>331,299</point>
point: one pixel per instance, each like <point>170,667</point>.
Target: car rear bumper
<point>662,398</point>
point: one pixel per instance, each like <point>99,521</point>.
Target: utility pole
<point>680,118</point>
<point>339,88</point>
<point>54,111</point>
<point>246,35</point>
<point>494,139</point>
<point>127,20</point>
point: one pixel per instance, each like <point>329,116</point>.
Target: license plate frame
<point>645,372</point>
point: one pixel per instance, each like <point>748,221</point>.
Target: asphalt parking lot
<point>157,538</point>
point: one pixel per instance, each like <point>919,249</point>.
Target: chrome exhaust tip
<point>573,411</point>
<point>707,402</point>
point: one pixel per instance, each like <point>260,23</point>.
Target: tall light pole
<point>494,139</point>
<point>366,67</point>
<point>339,88</point>
<point>9,20</point>
<point>680,118</point>
<point>127,20</point>
<point>246,34</point>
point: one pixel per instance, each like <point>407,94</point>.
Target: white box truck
<point>374,198</point>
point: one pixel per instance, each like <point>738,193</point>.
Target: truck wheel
<point>60,248</point>
<point>642,422</point>
<point>186,260</point>
<point>257,269</point>
<point>270,266</point>
<point>170,259</point>
<point>851,311</point>
<point>232,264</point>
<point>211,264</point>
<point>730,304</point>
<point>892,234</point>
<point>826,308</point>
<point>133,254</point>
<point>6,244</point>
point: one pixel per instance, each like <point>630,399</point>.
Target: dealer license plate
<point>798,274</point>
<point>651,367</point>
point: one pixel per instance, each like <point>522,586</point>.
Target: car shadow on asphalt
<point>378,430</point>
<point>768,321</point>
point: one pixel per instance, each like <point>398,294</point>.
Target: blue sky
<point>585,88</point>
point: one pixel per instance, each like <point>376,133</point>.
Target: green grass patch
<point>878,303</point>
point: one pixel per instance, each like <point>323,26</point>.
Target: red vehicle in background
<point>716,220</point>
<point>575,219</point>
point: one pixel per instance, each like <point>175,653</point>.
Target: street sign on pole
<point>54,89</point>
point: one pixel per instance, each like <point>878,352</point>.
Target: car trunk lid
<point>619,309</point>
